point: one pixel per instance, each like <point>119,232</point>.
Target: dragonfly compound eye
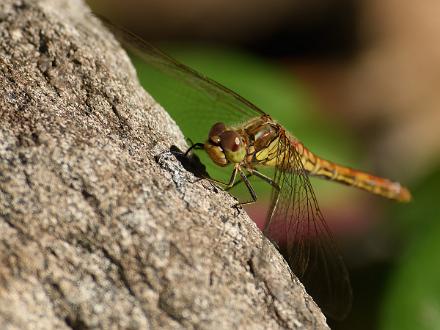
<point>216,154</point>
<point>214,133</point>
<point>233,146</point>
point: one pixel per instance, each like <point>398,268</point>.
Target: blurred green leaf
<point>413,299</point>
<point>415,219</point>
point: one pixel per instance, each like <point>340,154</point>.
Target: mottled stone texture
<point>100,226</point>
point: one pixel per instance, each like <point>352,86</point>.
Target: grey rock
<point>100,226</point>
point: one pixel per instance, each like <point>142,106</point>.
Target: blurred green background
<point>357,82</point>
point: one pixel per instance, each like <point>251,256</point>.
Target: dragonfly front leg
<point>195,146</point>
<point>232,180</point>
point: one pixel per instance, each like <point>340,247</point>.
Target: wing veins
<point>310,248</point>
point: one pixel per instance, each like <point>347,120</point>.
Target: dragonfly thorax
<point>262,133</point>
<point>225,146</point>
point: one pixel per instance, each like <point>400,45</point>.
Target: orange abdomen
<point>317,166</point>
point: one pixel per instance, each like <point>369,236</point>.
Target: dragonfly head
<point>225,146</point>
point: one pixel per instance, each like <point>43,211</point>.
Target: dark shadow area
<point>190,162</point>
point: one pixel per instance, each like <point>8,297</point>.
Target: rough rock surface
<point>100,226</point>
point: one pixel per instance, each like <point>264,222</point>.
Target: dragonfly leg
<point>233,182</point>
<point>228,185</point>
<point>232,179</point>
<point>244,178</point>
<point>276,199</point>
<point>272,211</point>
<point>260,175</point>
<point>237,182</point>
<point>195,146</point>
<point>251,190</point>
<point>266,178</point>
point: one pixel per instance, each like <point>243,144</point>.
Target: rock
<point>100,225</point>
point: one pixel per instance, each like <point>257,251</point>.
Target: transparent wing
<point>296,224</point>
<point>195,101</point>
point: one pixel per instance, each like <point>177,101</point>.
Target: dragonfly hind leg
<point>267,179</point>
<point>251,190</point>
<point>233,182</point>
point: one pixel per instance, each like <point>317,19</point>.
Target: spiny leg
<point>275,201</point>
<point>251,190</point>
<point>237,182</point>
<point>231,182</point>
<point>244,178</point>
<point>258,174</point>
<point>232,178</point>
<point>266,178</point>
<point>272,210</point>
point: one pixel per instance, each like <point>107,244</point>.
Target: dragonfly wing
<point>202,101</point>
<point>296,224</point>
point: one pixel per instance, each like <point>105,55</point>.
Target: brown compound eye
<point>214,133</point>
<point>230,141</point>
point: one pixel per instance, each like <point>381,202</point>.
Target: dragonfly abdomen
<point>317,166</point>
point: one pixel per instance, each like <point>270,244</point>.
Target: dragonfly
<point>238,135</point>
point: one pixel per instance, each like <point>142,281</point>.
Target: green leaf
<point>413,298</point>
